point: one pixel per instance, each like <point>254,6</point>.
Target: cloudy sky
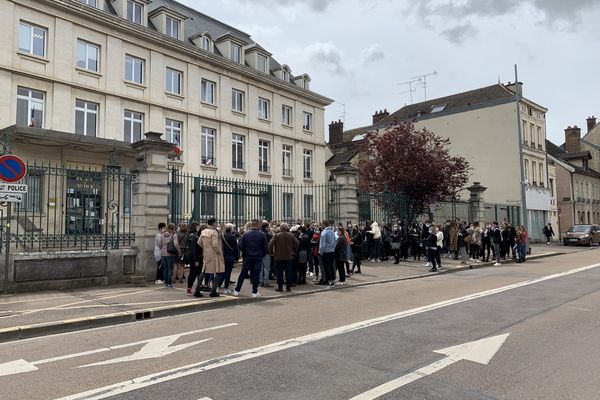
<point>360,52</point>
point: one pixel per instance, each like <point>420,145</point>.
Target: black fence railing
<point>72,208</point>
<point>197,198</point>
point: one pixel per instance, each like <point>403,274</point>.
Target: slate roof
<point>198,23</point>
<point>473,99</point>
<point>557,152</point>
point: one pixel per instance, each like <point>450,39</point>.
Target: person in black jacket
<point>341,255</point>
<point>396,237</point>
<point>548,232</point>
<point>357,240</point>
<point>432,248</point>
<point>404,241</point>
<point>231,253</point>
<point>193,257</point>
<point>301,255</point>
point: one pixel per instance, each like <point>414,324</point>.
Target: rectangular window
<point>308,164</point>
<point>86,117</point>
<point>208,146</point>
<point>551,183</point>
<point>308,206</point>
<point>540,137</point>
<point>534,172</point>
<point>287,160</point>
<point>288,204</point>
<point>30,108</point>
<point>134,69</point>
<point>527,170</point>
<point>525,134</point>
<point>236,53</point>
<point>32,201</point>
<point>208,91</point>
<point>207,201</point>
<point>264,108</point>
<point>92,3</point>
<point>263,156</point>
<point>286,115</point>
<point>127,196</point>
<point>32,39</point>
<point>173,27</point>
<point>237,151</point>
<point>173,81</point>
<point>237,100</point>
<point>261,63</point>
<point>532,134</point>
<point>541,167</point>
<point>87,56</point>
<point>133,123</point>
<point>134,11</point>
<point>307,124</point>
<point>173,131</point>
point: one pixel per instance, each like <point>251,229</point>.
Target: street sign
<point>12,168</point>
<point>13,188</point>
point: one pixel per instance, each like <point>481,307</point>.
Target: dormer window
<point>206,43</point>
<point>286,73</point>
<point>261,63</point>
<point>172,27</point>
<point>236,53</point>
<point>135,11</point>
<point>91,3</point>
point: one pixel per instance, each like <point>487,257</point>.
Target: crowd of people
<point>290,254</point>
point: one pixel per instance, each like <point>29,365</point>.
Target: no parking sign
<point>12,169</point>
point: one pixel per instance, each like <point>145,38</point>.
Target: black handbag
<point>171,249</point>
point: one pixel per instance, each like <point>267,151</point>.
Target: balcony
<point>209,161</point>
<point>288,173</point>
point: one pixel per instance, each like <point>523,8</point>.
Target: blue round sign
<point>12,168</point>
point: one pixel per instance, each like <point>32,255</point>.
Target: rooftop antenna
<point>343,115</point>
<point>422,79</point>
<point>411,88</point>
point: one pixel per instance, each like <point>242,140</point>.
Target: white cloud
<point>373,53</point>
<point>328,55</point>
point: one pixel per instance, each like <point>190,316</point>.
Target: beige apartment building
<point>482,127</point>
<point>112,70</point>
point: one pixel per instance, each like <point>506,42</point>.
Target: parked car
<point>582,234</point>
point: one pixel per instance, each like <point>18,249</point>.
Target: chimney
<point>591,123</point>
<point>515,87</point>
<point>336,132</point>
<point>378,116</point>
<point>572,137</point>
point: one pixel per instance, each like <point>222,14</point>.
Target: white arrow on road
<point>153,348</point>
<point>479,351</point>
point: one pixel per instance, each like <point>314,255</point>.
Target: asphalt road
<point>345,344</point>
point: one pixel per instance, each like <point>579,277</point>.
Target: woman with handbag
<point>169,250</point>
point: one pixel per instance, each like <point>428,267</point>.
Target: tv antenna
<point>422,79</point>
<point>411,88</point>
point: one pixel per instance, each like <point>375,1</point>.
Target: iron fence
<point>385,208</point>
<point>237,201</point>
<point>72,208</point>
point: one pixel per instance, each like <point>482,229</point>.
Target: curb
<point>77,324</point>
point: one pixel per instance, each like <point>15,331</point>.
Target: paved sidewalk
<point>34,314</point>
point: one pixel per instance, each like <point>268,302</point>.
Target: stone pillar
<point>476,203</point>
<point>346,176</point>
<point>150,199</point>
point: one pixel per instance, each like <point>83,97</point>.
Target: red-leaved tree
<point>411,168</point>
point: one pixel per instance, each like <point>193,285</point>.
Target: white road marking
<point>479,351</point>
<point>164,376</point>
<point>153,348</point>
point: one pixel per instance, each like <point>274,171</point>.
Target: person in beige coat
<point>212,250</point>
